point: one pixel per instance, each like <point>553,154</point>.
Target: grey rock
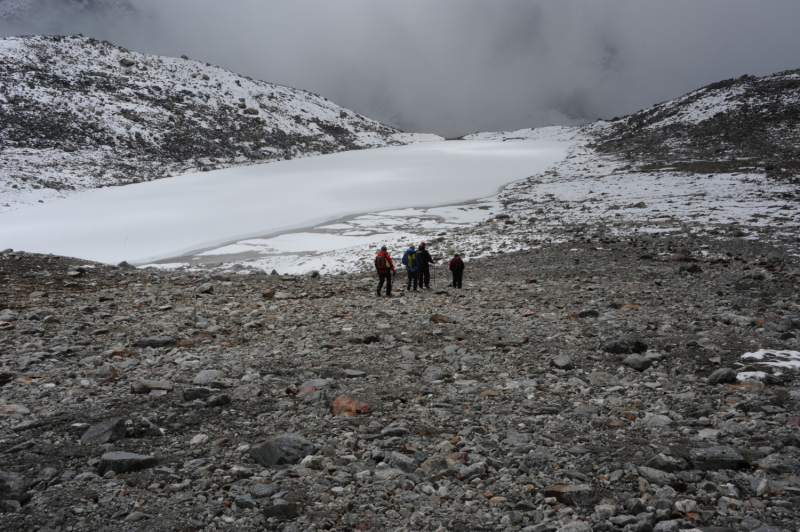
<point>670,464</point>
<point>282,509</point>
<point>433,373</point>
<point>47,473</point>
<point>780,464</point>
<point>638,362</point>
<point>467,473</point>
<point>667,526</point>
<point>579,495</point>
<point>287,448</point>
<point>635,506</point>
<point>404,462</point>
<point>395,429</point>
<point>656,476</point>
<point>716,458</point>
<point>192,394</point>
<point>108,431</point>
<point>206,288</point>
<point>243,501</point>
<point>622,520</point>
<point>434,464</point>
<point>315,383</point>
<point>265,453</point>
<point>122,462</point>
<point>722,376</point>
<point>208,376</point>
<point>155,341</point>
<point>146,386</point>
<point>599,378</point>
<point>260,491</point>
<point>218,400</point>
<point>13,486</point>
<point>562,362</point>
<point>576,526</point>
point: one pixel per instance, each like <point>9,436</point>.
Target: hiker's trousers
<point>387,278</point>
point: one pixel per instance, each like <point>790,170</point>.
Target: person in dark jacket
<point>385,267</point>
<point>411,262</point>
<point>457,267</point>
<point>425,260</point>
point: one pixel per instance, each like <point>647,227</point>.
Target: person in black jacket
<point>425,260</point>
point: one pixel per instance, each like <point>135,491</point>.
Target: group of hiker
<point>417,264</point>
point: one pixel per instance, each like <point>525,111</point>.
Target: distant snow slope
<point>167,217</point>
<point>77,113</point>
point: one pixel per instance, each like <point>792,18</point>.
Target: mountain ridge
<point>79,113</point>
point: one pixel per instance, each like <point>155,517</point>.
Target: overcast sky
<point>459,66</point>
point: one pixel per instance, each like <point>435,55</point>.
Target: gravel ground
<point>559,390</point>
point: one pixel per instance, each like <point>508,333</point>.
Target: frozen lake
<point>165,218</point>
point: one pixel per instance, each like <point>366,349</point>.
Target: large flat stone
<point>108,431</point>
<point>716,458</point>
<point>122,462</point>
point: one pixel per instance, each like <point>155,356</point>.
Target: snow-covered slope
<point>737,124</point>
<point>77,113</point>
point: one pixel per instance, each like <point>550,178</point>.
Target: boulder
<point>155,341</point>
<point>287,448</point>
<point>638,362</point>
<point>108,431</point>
<point>722,376</point>
<point>656,476</point>
<point>716,458</point>
<point>667,463</point>
<point>122,462</point>
<point>780,464</point>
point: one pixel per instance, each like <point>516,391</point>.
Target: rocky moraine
<point>551,393</point>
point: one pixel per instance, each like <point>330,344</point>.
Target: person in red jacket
<point>457,267</point>
<point>385,267</point>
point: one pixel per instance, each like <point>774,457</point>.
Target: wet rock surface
<point>512,414</point>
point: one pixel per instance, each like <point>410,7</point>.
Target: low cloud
<point>453,66</point>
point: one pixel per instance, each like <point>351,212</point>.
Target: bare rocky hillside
<point>732,125</point>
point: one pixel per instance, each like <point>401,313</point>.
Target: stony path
<point>558,390</point>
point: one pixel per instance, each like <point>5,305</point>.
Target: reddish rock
<point>439,318</point>
<point>555,491</point>
<point>291,390</point>
<point>456,458</point>
<point>268,293</point>
<point>488,494</point>
<point>793,422</point>
<point>347,406</point>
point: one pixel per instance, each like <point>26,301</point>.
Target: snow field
<point>165,218</point>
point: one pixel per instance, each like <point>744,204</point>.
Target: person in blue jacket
<point>411,262</point>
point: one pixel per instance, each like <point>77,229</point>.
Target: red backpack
<point>457,264</point>
<point>382,262</point>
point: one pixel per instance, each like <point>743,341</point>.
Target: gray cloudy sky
<point>459,66</point>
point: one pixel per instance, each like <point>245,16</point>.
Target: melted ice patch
<point>769,357</point>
